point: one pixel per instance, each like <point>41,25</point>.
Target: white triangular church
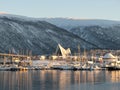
<point>62,52</point>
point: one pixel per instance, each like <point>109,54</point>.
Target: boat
<point>66,67</point>
<point>4,68</point>
<point>96,67</point>
<point>114,66</point>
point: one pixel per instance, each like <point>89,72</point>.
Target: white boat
<point>95,67</point>
<point>86,67</point>
<point>4,68</point>
<point>66,67</point>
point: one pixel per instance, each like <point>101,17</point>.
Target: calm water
<point>60,80</point>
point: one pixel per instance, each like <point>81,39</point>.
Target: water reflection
<point>59,80</point>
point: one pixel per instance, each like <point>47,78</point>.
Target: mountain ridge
<point>39,36</point>
<point>103,33</point>
<point>68,23</point>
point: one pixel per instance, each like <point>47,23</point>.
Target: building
<point>61,53</point>
<point>109,59</point>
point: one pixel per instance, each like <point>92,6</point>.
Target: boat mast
<point>79,53</point>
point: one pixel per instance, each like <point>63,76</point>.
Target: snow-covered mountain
<point>103,37</point>
<point>102,33</point>
<point>19,32</point>
<point>68,23</point>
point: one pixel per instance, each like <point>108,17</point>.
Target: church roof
<point>63,52</point>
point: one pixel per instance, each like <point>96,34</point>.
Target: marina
<point>61,60</point>
<point>86,70</point>
<point>59,45</point>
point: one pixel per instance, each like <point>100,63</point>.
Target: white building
<point>109,59</point>
<point>61,53</point>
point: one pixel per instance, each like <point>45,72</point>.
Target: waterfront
<point>59,80</point>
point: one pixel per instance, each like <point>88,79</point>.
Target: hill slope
<point>32,34</point>
<point>102,33</point>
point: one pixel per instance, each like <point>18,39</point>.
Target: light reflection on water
<point>59,80</point>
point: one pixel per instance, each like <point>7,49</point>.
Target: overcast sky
<point>83,9</point>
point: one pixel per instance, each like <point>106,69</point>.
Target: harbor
<point>59,45</point>
<point>61,60</point>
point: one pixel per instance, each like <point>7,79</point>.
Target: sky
<point>82,9</point>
